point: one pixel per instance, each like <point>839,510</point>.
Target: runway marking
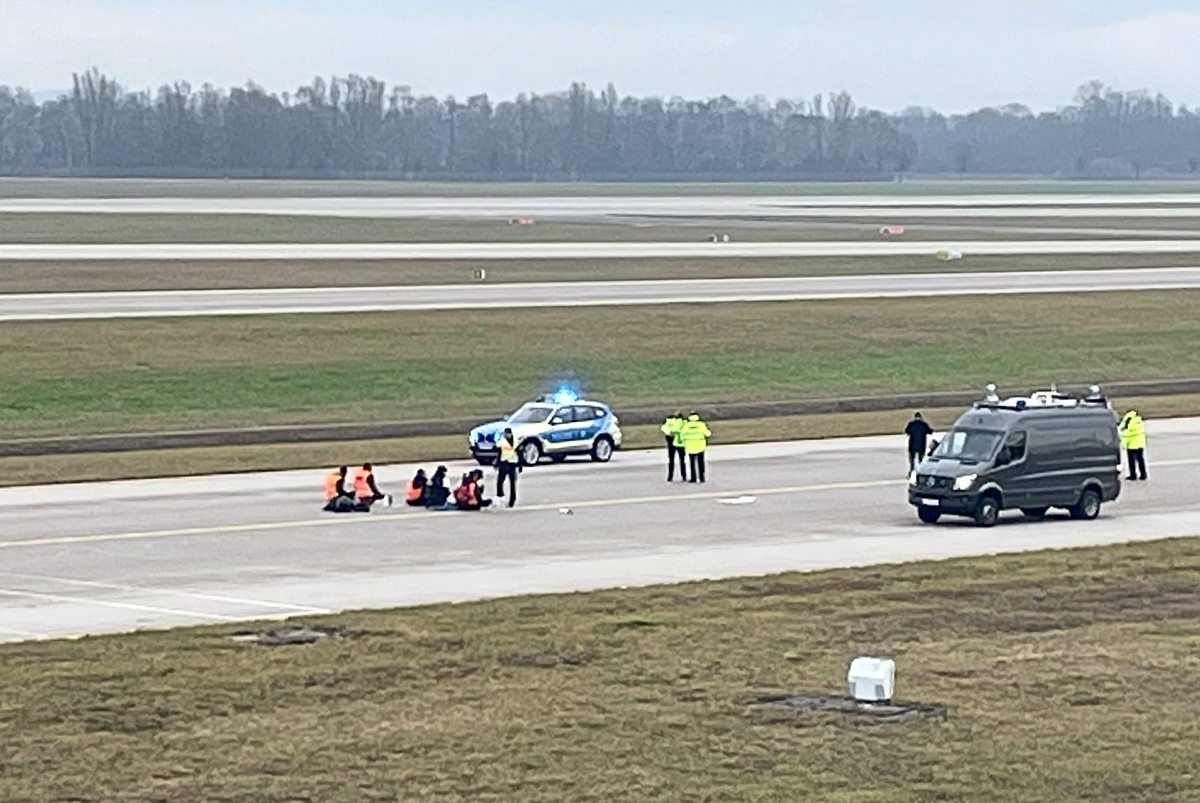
<point>258,603</point>
<point>114,604</point>
<point>348,520</point>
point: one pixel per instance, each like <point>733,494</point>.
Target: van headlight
<point>965,482</point>
<point>912,479</point>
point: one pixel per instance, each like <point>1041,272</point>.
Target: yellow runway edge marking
<point>347,520</point>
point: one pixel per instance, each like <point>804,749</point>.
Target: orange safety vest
<point>361,489</point>
<point>413,493</point>
<point>465,494</point>
<point>331,485</point>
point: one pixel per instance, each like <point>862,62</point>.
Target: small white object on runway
<point>566,511</point>
<point>738,500</point>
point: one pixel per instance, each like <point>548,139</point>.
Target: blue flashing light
<point>565,395</point>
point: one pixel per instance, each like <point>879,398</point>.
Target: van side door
<point>1011,472</point>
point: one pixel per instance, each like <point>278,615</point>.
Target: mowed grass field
<point>1067,676</point>
<point>100,275</point>
<point>80,377</point>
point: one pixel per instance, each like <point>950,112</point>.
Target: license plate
<point>930,502</point>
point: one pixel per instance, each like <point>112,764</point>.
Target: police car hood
<point>488,434</point>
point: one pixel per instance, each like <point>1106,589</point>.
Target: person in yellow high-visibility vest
<point>671,429</point>
<point>1132,430</point>
<point>695,434</point>
<point>508,465</point>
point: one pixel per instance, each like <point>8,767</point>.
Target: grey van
<point>1034,453</point>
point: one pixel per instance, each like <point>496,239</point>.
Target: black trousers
<point>1137,463</point>
<point>915,456</point>
<point>697,461</point>
<point>509,471</point>
<point>675,453</point>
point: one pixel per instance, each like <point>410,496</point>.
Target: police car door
<point>589,420</point>
<point>562,434</point>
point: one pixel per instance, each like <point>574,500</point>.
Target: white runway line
<point>254,603</point>
<point>131,606</point>
<point>406,517</point>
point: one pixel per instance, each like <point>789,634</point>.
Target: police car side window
<point>563,415</point>
<point>588,413</point>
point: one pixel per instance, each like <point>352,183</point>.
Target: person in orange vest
<point>414,492</point>
<point>366,492</point>
<point>337,498</point>
<point>469,494</point>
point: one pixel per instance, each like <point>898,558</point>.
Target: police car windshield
<point>531,414</point>
<point>968,445</point>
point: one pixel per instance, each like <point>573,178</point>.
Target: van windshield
<point>968,445</point>
<point>531,414</point>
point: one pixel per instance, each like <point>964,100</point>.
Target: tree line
<point>358,126</point>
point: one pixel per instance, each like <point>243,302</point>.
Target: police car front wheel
<point>530,453</point>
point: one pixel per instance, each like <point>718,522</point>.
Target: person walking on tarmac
<point>695,434</point>
<point>918,433</point>
<point>508,466</point>
<point>337,498</point>
<point>671,429</point>
<point>1133,437</point>
<point>366,492</point>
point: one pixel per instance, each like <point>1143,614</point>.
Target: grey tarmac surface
<point>160,553</point>
<point>578,250</point>
<point>882,206</point>
<point>155,303</point>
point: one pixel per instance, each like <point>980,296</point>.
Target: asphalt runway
<point>578,250</point>
<point>174,303</point>
<point>885,207</point>
<point>108,557</point>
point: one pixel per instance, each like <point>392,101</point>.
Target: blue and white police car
<point>554,426</point>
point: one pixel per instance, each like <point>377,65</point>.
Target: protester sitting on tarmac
<point>366,492</point>
<point>337,498</point>
<point>436,492</point>
<point>469,495</point>
<point>414,492</point>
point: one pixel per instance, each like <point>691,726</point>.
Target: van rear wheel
<point>1088,506</point>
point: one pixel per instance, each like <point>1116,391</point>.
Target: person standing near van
<point>695,434</point>
<point>508,465</point>
<point>1133,437</point>
<point>918,433</point>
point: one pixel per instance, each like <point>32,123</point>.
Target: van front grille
<point>931,482</point>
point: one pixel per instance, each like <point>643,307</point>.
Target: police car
<point>555,426</point>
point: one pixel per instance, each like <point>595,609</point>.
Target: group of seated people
<point>432,493</point>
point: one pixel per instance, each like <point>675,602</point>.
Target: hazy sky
<point>949,54</point>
